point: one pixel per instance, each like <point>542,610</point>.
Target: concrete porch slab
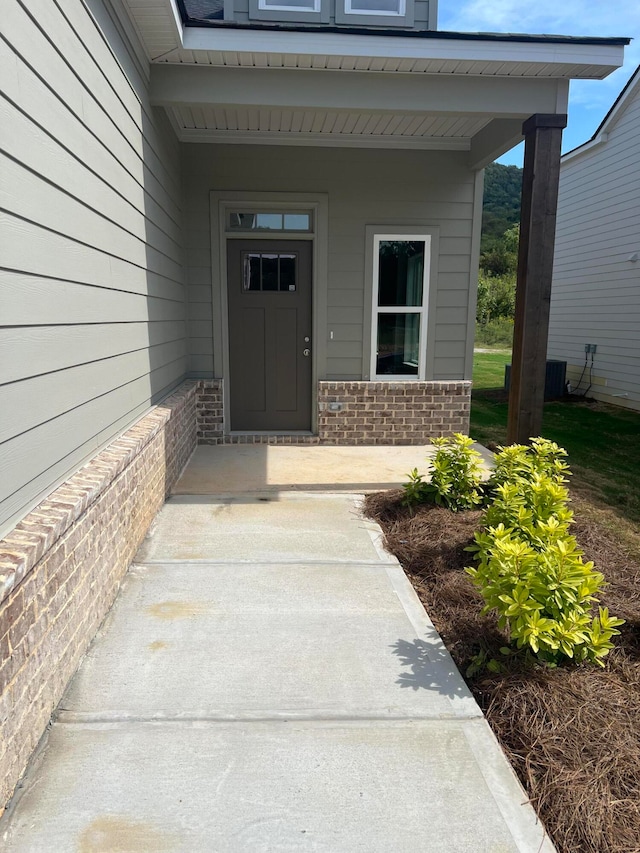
<point>249,528</point>
<point>231,468</point>
<point>361,787</point>
<point>274,641</point>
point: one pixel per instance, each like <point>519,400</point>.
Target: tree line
<point>498,255</point>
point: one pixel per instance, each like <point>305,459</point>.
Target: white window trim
<point>421,310</point>
<point>263,6</point>
<point>402,10</point>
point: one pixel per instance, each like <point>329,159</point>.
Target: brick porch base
<point>357,413</point>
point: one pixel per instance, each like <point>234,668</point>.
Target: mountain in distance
<point>501,204</point>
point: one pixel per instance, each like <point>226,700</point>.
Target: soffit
<point>194,123</point>
<point>412,65</point>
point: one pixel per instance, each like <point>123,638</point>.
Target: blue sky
<point>589,100</point>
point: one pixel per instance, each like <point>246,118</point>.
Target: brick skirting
<point>209,411</point>
<point>61,567</point>
<point>391,412</point>
<point>367,413</point>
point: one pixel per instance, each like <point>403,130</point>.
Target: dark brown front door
<point>269,287</point>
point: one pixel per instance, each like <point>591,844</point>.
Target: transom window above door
<point>270,221</point>
<point>263,271</point>
<point>400,298</point>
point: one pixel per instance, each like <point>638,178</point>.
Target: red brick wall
<point>61,567</point>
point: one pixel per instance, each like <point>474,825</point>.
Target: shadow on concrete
<point>429,668</point>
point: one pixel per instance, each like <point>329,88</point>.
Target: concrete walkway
<point>268,681</point>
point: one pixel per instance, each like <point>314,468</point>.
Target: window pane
<point>269,272</point>
<point>400,272</point>
<point>296,221</point>
<point>389,7</point>
<point>307,5</point>
<point>270,221</point>
<point>288,272</point>
<point>398,344</point>
<point>251,272</point>
<point>242,220</point>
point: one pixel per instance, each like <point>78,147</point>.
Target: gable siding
<point>365,187</point>
<point>424,16</point>
<point>92,300</point>
<point>596,289</point>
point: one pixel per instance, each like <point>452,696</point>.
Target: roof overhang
<point>296,85</point>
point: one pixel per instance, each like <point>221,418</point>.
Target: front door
<point>269,298</point>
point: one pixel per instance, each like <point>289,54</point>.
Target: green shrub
<point>454,475</point>
<point>496,297</point>
<point>530,569</point>
<point>495,333</point>
<point>522,462</point>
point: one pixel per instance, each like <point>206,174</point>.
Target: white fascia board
<point>596,142</point>
<point>177,19</point>
<point>602,134</point>
<point>375,46</point>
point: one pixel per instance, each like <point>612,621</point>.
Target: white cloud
<point>559,17</point>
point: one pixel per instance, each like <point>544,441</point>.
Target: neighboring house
<point>595,297</point>
<point>269,210</point>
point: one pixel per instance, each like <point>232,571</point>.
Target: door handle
<point>306,352</point>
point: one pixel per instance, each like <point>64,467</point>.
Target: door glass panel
<point>269,272</point>
<point>288,272</point>
<point>400,272</point>
<point>251,272</point>
<point>398,344</point>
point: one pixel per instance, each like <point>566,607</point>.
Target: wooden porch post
<point>543,139</point>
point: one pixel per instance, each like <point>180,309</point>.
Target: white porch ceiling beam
<point>248,87</point>
<point>494,140</point>
<point>608,57</point>
<point>500,135</point>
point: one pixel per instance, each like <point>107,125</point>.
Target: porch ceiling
<point>204,123</point>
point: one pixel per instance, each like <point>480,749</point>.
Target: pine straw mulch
<point>571,734</point>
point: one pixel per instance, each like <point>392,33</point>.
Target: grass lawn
<point>602,441</point>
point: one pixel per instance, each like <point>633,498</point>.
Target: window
<point>375,7</point>
<point>400,296</point>
<point>270,221</point>
<point>301,11</point>
<point>375,13</point>
<point>289,5</point>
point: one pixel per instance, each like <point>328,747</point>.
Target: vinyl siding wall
<point>596,289</point>
<point>92,300</point>
<point>364,187</point>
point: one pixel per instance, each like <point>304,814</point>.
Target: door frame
<point>221,201</point>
